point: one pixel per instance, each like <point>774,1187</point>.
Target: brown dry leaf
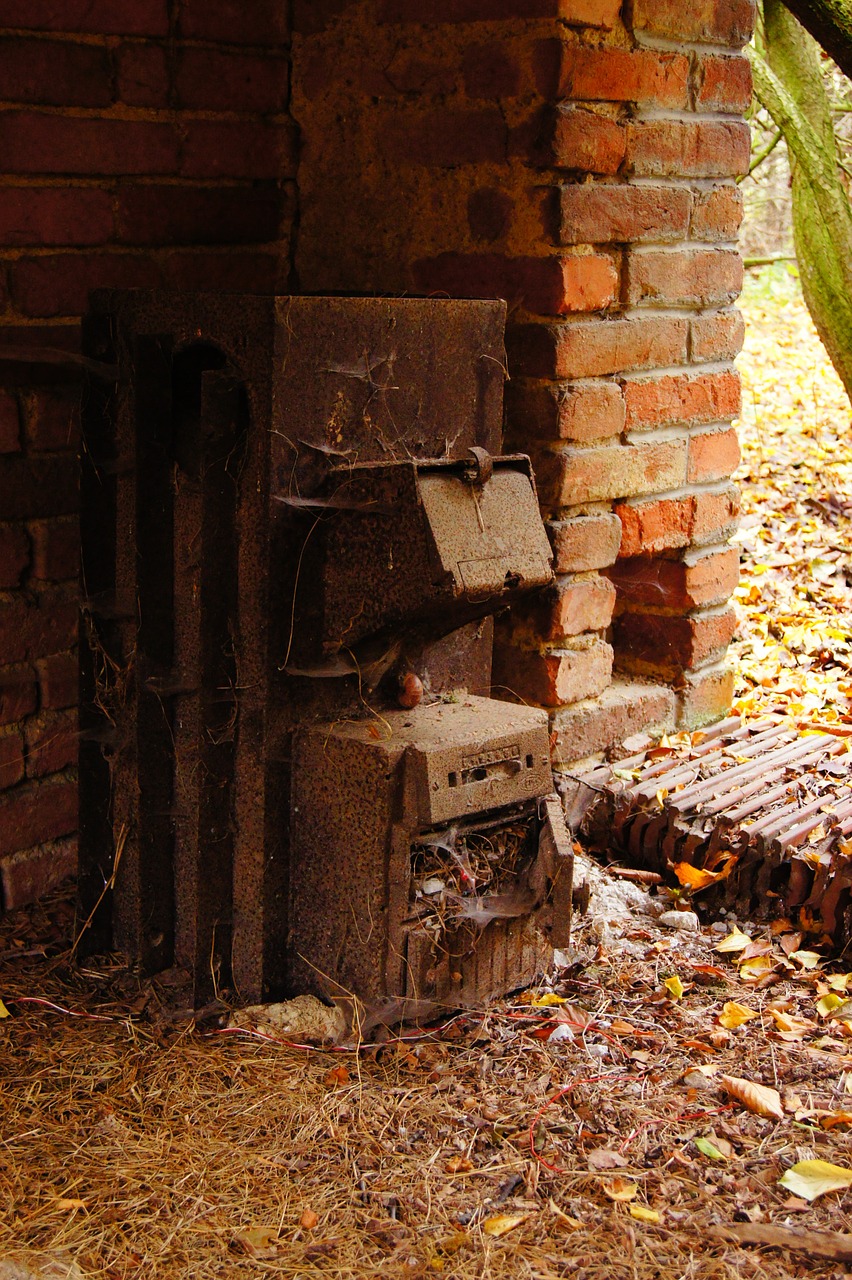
<point>70,1204</point>
<point>756,969</point>
<point>501,1223</point>
<point>309,1219</point>
<point>757,1098</point>
<point>820,1244</point>
<point>459,1164</point>
<point>605,1158</point>
<point>337,1076</point>
<point>734,1015</point>
<point>259,1242</point>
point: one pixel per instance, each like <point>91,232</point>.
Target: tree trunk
<point>790,86</point>
<point>830,23</point>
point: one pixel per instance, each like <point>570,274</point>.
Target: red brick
<point>51,742</point>
<point>584,542</point>
<point>654,644</point>
<point>617,75</point>
<point>237,149</point>
<point>684,277</point>
<point>263,22</point>
<point>14,555</point>
<point>681,398</point>
<point>710,21</point>
<point>54,72</point>
<point>716,337</point>
<point>552,679</point>
<point>34,143</point>
<point>101,17</point>
<point>53,419</point>
<point>599,214</point>
<point>580,604</point>
<point>596,347</point>
<point>143,75</point>
<point>198,215</point>
<point>32,629</point>
<point>676,584</point>
<point>18,689</point>
<point>688,149</point>
<point>572,477</point>
<point>229,271</point>
<point>580,412</point>
<point>547,286</point>
<point>10,428</point>
<point>29,874</point>
<point>723,84</point>
<point>442,138</point>
<point>717,213</point>
<point>224,81</point>
<point>592,13</point>
<point>46,216</point>
<point>489,71</point>
<point>38,486</point>
<point>586,141</point>
<point>59,285</point>
<point>705,696</point>
<point>11,758</point>
<point>56,549</point>
<point>602,723</point>
<point>58,678</point>
<point>37,812</point>
<point>713,455</point>
<point>667,523</point>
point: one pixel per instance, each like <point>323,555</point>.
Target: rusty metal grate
<point>764,809</point>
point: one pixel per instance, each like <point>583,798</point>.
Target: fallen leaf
<point>807,959</point>
<point>620,1189</point>
<point>459,1164</point>
<point>827,1004</point>
<point>308,1219</point>
<point>696,877</point>
<point>605,1158</point>
<point>4,1012</point>
<point>812,1178</point>
<point>70,1204</point>
<point>736,941</point>
<point>571,1224</point>
<point>500,1223</point>
<point>759,967</point>
<point>709,1149</point>
<point>549,998</point>
<point>839,981</point>
<point>734,1015</point>
<point>675,987</point>
<point>337,1076</point>
<point>757,1098</point>
<point>259,1242</point>
<point>642,1214</point>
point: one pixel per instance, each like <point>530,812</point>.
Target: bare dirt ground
<point>593,1127</point>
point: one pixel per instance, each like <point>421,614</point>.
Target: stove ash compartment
<point>296,530</point>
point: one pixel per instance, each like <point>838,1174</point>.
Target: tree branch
<point>830,23</point>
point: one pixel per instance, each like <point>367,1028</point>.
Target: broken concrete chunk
<point>685,921</point>
<point>303,1019</point>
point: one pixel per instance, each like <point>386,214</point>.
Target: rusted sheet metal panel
<point>766,807</point>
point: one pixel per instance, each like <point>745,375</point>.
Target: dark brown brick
<point>46,216</point>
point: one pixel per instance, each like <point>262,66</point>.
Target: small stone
<point>720,927</point>
<point>685,921</point>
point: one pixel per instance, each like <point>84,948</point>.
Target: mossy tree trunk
<point>830,23</point>
<point>788,82</point>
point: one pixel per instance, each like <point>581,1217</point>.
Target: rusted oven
<point>297,528</point>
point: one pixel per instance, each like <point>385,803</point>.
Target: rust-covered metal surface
<point>445,778</point>
<point>763,808</point>
<point>291,506</point>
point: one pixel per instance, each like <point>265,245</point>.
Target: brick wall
<point>142,142</point>
<point>578,158</point>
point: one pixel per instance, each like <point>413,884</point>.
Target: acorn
<point>410,690</point>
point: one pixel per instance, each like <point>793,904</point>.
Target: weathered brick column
<point>578,158</point>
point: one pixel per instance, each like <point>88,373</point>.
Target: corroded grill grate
<point>762,811</point>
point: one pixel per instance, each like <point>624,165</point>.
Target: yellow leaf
<point>733,1015</point>
<point>812,1178</point>
<point>839,981</point>
<point>807,959</point>
<point>549,998</point>
<point>70,1204</point>
<point>755,969</point>
<point>827,1004</point>
<point>675,987</point>
<point>736,941</point>
<point>503,1222</point>
<point>757,1098</point>
<point>619,1189</point>
<point>4,1012</point>
<point>695,877</point>
<point>459,1164</point>
<point>661,796</point>
<point>639,1212</point>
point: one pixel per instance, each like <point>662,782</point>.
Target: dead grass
<point>143,1147</point>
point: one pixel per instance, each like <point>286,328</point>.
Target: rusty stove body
<point>296,529</point>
